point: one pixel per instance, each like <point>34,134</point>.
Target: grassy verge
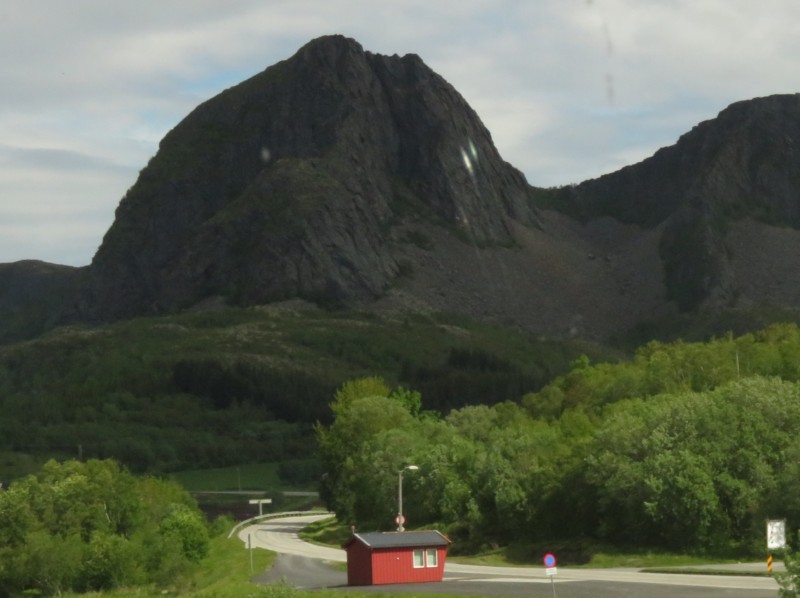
<point>328,532</point>
<point>511,557</point>
<point>255,476</point>
<point>707,571</point>
<point>650,559</point>
<point>226,571</point>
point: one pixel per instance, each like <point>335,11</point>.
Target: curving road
<point>303,565</point>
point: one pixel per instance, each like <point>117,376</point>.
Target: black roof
<point>400,539</point>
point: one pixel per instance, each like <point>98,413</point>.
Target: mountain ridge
<point>360,180</point>
<point>743,163</point>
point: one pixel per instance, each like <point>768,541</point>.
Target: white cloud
<point>56,202</point>
<point>569,89</point>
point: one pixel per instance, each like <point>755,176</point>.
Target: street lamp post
<point>400,520</point>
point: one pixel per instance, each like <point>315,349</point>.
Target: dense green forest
<point>86,526</point>
<point>688,447</point>
<point>233,386</point>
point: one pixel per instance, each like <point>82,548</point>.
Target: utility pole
<point>400,519</point>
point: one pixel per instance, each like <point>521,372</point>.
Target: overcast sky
<point>570,89</point>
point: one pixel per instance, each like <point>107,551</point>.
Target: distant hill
<point>36,296</point>
<point>357,180</point>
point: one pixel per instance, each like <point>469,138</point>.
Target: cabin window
<point>431,558</point>
<point>419,558</point>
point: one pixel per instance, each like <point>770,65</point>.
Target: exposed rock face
<point>289,184</point>
<point>745,162</point>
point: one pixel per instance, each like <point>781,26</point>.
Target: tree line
<point>218,388</point>
<point>687,447</point>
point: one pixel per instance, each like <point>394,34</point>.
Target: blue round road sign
<point>549,560</point>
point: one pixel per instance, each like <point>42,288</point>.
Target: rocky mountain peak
<point>290,182</point>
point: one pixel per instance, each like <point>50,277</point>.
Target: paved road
<point>304,565</point>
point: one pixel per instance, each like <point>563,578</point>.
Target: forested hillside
<point>234,386</point>
<point>685,447</point>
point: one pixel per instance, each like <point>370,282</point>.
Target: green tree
<point>49,563</point>
<point>360,388</point>
<point>16,519</point>
<point>109,561</point>
<point>345,453</point>
<point>16,523</point>
<point>188,528</point>
<point>680,499</point>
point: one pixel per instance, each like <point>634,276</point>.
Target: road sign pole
<point>250,549</point>
<point>550,570</point>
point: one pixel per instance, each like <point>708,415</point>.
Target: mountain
<point>296,183</point>
<point>706,191</point>
<point>366,181</point>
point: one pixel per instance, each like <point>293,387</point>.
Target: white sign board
<point>260,502</point>
<point>776,534</point>
<point>551,571</point>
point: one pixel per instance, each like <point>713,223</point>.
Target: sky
<point>569,89</point>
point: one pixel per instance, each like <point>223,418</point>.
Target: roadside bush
<point>93,526</point>
<point>789,580</point>
<point>188,528</point>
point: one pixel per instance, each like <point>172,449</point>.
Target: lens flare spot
<point>467,161</point>
<point>473,151</point>
<point>265,154</point>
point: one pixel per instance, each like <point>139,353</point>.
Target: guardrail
<point>258,518</point>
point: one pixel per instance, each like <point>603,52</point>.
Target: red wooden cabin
<point>395,557</point>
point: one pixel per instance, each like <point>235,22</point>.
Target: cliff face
<point>744,163</point>
<point>290,184</point>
